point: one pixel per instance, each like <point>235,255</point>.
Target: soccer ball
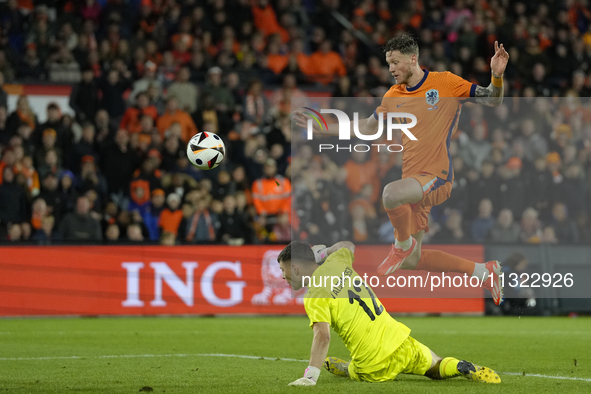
<point>206,150</point>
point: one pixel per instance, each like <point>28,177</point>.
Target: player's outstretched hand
<point>303,382</point>
<point>320,253</point>
<point>301,120</point>
<point>499,61</point>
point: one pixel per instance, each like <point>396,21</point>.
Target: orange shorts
<point>435,191</point>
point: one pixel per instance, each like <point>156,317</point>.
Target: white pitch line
<point>151,355</point>
<point>168,332</point>
<point>100,332</point>
<point>535,375</point>
<point>484,332</point>
<point>252,357</point>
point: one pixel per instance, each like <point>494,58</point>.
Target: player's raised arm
<point>343,244</point>
<point>492,95</point>
<point>321,252</point>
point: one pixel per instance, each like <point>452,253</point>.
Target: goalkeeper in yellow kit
<point>381,348</point>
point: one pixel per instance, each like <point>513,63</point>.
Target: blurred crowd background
<point>149,74</point>
<point>521,175</point>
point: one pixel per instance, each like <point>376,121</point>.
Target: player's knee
<point>405,191</point>
<point>392,196</point>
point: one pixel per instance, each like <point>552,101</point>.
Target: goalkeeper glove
<point>309,379</point>
<point>303,382</point>
<point>320,253</point>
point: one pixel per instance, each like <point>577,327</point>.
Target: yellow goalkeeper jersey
<point>353,312</point>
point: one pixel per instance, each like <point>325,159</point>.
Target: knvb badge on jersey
<point>402,121</point>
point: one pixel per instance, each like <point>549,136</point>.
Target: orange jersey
<point>432,102</point>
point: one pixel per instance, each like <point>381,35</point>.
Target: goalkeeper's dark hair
<point>405,43</point>
<point>297,251</point>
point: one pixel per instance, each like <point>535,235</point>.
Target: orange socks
<point>431,260</point>
<point>438,261</point>
<point>400,219</point>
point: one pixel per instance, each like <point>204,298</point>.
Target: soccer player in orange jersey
<point>427,174</point>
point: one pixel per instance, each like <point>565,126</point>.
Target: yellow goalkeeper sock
<point>448,368</point>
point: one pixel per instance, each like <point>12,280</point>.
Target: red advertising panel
<point>153,280</point>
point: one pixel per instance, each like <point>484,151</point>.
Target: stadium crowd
<point>149,74</point>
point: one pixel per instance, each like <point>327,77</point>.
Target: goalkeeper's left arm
<point>321,252</point>
<point>317,355</point>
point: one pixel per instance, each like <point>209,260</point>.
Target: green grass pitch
<point>176,355</point>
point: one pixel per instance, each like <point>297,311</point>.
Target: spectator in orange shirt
<point>184,31</point>
<point>302,60</point>
<point>131,120</point>
<point>277,61</point>
<point>174,114</point>
<point>181,52</point>
<point>271,195</point>
<point>171,217</point>
<point>25,167</point>
<point>325,64</point>
<point>361,172</point>
<point>23,113</point>
<point>265,20</point>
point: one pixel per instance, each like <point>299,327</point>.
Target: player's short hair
<point>297,251</point>
<point>405,43</point>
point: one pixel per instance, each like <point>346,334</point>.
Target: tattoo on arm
<point>490,96</point>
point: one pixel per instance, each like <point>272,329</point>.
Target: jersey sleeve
<point>317,309</point>
<point>383,107</point>
<point>459,87</point>
<point>344,255</point>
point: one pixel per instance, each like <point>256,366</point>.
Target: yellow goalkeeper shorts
<point>412,357</point>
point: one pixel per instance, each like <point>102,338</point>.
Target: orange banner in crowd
<point>154,280</point>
